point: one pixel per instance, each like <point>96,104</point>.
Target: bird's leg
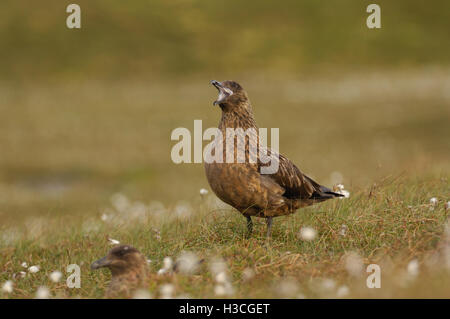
<point>249,226</point>
<point>269,227</point>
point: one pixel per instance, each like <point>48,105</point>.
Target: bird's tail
<point>321,192</point>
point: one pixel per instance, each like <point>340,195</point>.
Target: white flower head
<point>8,286</point>
<point>221,278</point>
<point>307,233</point>
<point>55,276</point>
<point>113,241</point>
<point>217,265</point>
<point>433,201</point>
<point>42,293</point>
<point>339,188</point>
<point>354,264</point>
<point>224,289</point>
<point>203,191</point>
<point>343,291</point>
<point>327,284</point>
<point>34,269</point>
<point>24,265</point>
<point>287,288</point>
<point>188,263</point>
<point>248,274</point>
<point>167,263</point>
<point>413,268</point>
<point>345,193</point>
<point>167,291</point>
<point>447,206</point>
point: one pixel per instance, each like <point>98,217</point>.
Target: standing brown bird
<point>128,268</point>
<point>241,183</point>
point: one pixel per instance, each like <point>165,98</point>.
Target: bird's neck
<point>238,118</point>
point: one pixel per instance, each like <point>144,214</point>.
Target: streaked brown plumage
<point>128,268</point>
<point>242,185</point>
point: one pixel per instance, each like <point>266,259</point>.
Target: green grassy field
<point>67,149</point>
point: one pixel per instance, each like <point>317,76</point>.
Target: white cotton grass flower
<point>343,230</point>
<point>327,284</point>
<point>336,177</point>
<point>8,286</point>
<point>113,241</point>
<point>433,201</point>
<point>221,278</point>
<point>307,233</point>
<point>104,217</point>
<point>167,263</point>
<point>217,265</point>
<point>42,293</point>
<point>187,263</point>
<point>339,188</point>
<point>55,276</point>
<point>203,191</point>
<point>287,288</point>
<point>34,269</point>
<point>10,236</point>
<point>224,289</point>
<point>447,206</point>
<point>248,274</point>
<point>166,291</point>
<point>157,234</point>
<point>24,265</point>
<point>342,292</point>
<point>19,275</point>
<point>183,209</point>
<point>413,268</point>
<point>142,294</point>
<point>161,271</point>
<point>354,264</point>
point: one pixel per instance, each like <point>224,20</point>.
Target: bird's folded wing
<point>289,177</point>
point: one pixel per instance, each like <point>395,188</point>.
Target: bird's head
<point>121,259</point>
<point>231,95</point>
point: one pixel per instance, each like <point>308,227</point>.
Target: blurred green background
<point>187,37</point>
<point>86,113</point>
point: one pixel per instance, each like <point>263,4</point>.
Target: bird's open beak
<point>102,262</point>
<point>223,92</point>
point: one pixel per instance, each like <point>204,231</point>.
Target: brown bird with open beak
<point>242,183</point>
<point>128,268</point>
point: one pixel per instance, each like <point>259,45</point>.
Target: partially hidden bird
<point>129,270</point>
<point>240,181</point>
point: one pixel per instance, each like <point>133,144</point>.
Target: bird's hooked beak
<point>102,262</point>
<point>223,92</point>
